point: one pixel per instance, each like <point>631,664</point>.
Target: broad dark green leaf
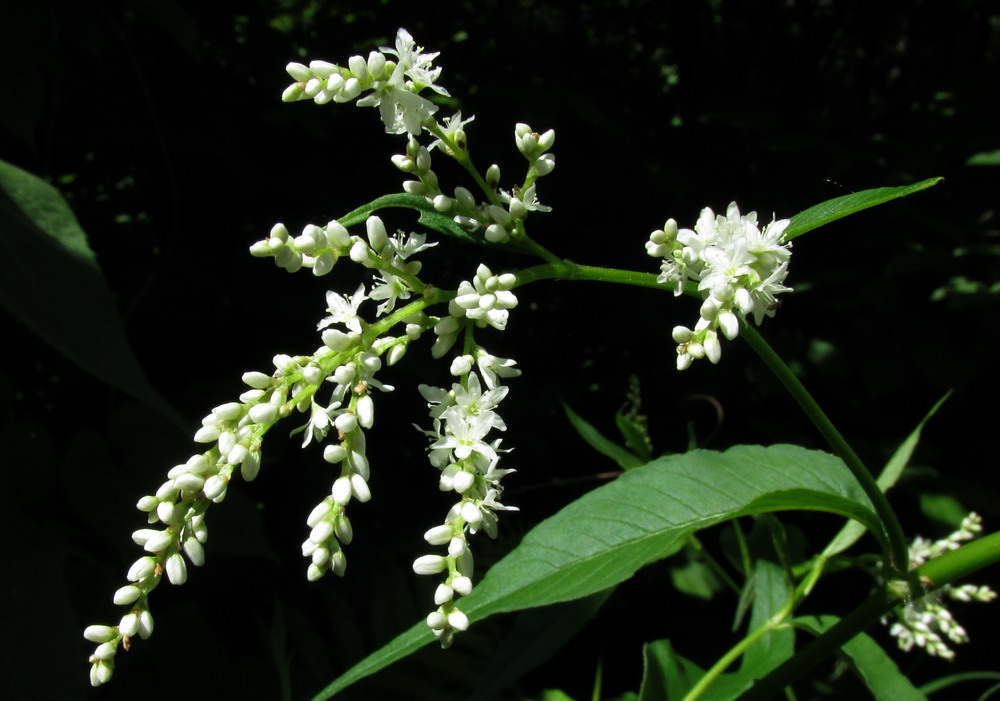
<point>596,440</point>
<point>50,280</point>
<point>429,217</point>
<point>604,537</point>
<point>890,474</point>
<point>839,207</point>
<point>873,665</point>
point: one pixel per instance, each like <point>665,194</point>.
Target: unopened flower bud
<point>263,414</point>
<point>443,594</point>
<point>458,620</point>
<point>359,488</point>
<point>430,564</point>
<point>176,569</point>
<point>342,490</point>
<point>436,620</point>
<point>100,634</point>
<point>129,624</point>
<point>376,233</point>
<point>439,535</point>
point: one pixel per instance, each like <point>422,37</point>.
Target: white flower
<point>344,310</point>
<point>493,367</point>
<point>414,64</point>
<point>454,129</point>
<point>401,108</point>
<point>464,433</point>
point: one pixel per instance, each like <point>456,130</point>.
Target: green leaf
<point>604,537</point>
<point>665,674</point>
<point>771,595</point>
<point>50,280</point>
<point>875,668</point>
<point>852,531</point>
<point>839,207</point>
<point>695,579</point>
<point>984,158</point>
<point>429,217</point>
<point>625,459</point>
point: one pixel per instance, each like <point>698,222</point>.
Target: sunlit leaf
<point>840,207</point>
<point>604,537</point>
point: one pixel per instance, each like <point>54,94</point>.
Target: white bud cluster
<point>180,503</point>
<point>392,85</point>
<point>486,300</point>
<point>739,270</point>
<point>534,147</point>
<point>497,221</point>
<point>463,416</point>
<point>417,162</point>
<point>926,622</point>
<point>317,248</point>
<point>328,522</point>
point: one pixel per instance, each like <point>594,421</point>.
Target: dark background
<point>162,125</point>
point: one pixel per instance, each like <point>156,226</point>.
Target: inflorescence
<point>738,269</point>
<point>926,622</point>
<point>354,350</point>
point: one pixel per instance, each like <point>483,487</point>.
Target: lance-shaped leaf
<point>604,537</point>
<point>839,207</point>
<point>429,217</point>
<point>852,531</point>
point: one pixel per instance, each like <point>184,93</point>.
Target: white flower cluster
<point>235,430</point>
<point>463,416</point>
<point>394,85</point>
<point>352,355</point>
<point>739,269</point>
<point>926,622</point>
<point>179,506</point>
<point>486,301</point>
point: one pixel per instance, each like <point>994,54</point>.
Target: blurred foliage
<point>161,123</point>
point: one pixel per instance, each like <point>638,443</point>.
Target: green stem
<point>940,571</point>
<point>461,154</point>
<point>567,270</point>
<point>737,651</point>
<point>898,548</point>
